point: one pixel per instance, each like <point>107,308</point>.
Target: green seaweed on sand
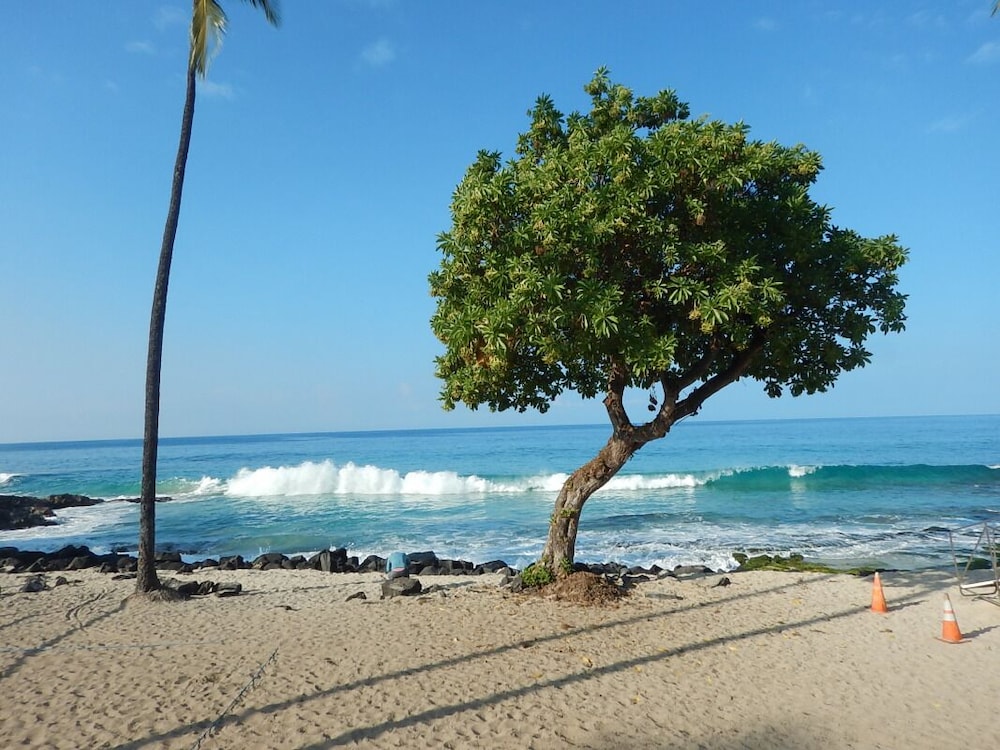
<point>794,563</point>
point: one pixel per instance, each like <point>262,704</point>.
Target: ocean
<point>875,491</point>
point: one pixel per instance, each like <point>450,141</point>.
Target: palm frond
<point>270,10</point>
<point>208,26</point>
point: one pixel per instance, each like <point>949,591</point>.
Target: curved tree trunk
<point>626,439</point>
<point>147,579</point>
<point>560,546</point>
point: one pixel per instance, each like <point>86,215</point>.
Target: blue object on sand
<point>397,565</point>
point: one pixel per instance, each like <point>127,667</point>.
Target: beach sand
<point>774,660</point>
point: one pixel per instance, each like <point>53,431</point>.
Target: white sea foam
<point>639,482</point>
<point>796,471</point>
<point>546,482</point>
<point>6,477</point>
<point>326,478</point>
<point>202,487</point>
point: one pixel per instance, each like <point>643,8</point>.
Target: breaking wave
<point>312,478</point>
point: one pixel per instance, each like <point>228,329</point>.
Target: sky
<point>323,161</point>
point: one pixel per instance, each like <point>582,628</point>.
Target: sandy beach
<point>774,660</point>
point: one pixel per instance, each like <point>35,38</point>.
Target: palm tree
<point>208,24</point>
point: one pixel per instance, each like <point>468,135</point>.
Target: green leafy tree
<point>208,24</point>
<point>635,248</point>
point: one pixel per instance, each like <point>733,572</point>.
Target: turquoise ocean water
<point>844,491</point>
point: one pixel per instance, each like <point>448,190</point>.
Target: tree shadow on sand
<point>919,588</point>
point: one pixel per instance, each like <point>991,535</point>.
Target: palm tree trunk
<point>560,547</point>
<point>147,579</point>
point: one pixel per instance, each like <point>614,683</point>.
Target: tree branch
<point>613,401</point>
<point>692,403</point>
<point>697,372</point>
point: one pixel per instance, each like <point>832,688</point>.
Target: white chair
<point>977,571</point>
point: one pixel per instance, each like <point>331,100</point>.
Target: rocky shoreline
<point>35,565</point>
<point>72,557</point>
<point>25,511</point>
<point>18,512</point>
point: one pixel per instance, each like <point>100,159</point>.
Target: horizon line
<point>387,430</point>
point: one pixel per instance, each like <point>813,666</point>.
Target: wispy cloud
<point>140,48</point>
<point>928,19</point>
<point>765,24</point>
<point>987,53</point>
<point>379,53</point>
<point>216,90</point>
<point>170,15</point>
<point>949,124</point>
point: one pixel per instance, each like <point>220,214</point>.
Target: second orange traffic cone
<point>878,597</point>
<point>949,625</point>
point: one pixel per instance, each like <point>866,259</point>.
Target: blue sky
<point>322,165</point>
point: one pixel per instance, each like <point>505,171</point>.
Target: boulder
<point>454,567</point>
<point>494,566</point>
<point>71,551</point>
<point>185,588</point>
<point>232,562</point>
<point>602,569</point>
<point>333,561</point>
<point>206,587</point>
<point>33,585</point>
<point>82,561</point>
<point>268,561</point>
<point>400,587</point>
<point>228,589</point>
<point>323,561</point>
<point>372,564</point>
<point>420,560</point>
<point>691,571</point>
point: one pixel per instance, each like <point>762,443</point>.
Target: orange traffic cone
<point>878,598</point>
<point>949,625</point>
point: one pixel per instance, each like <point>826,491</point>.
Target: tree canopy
<point>635,247</point>
<point>636,244</point>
